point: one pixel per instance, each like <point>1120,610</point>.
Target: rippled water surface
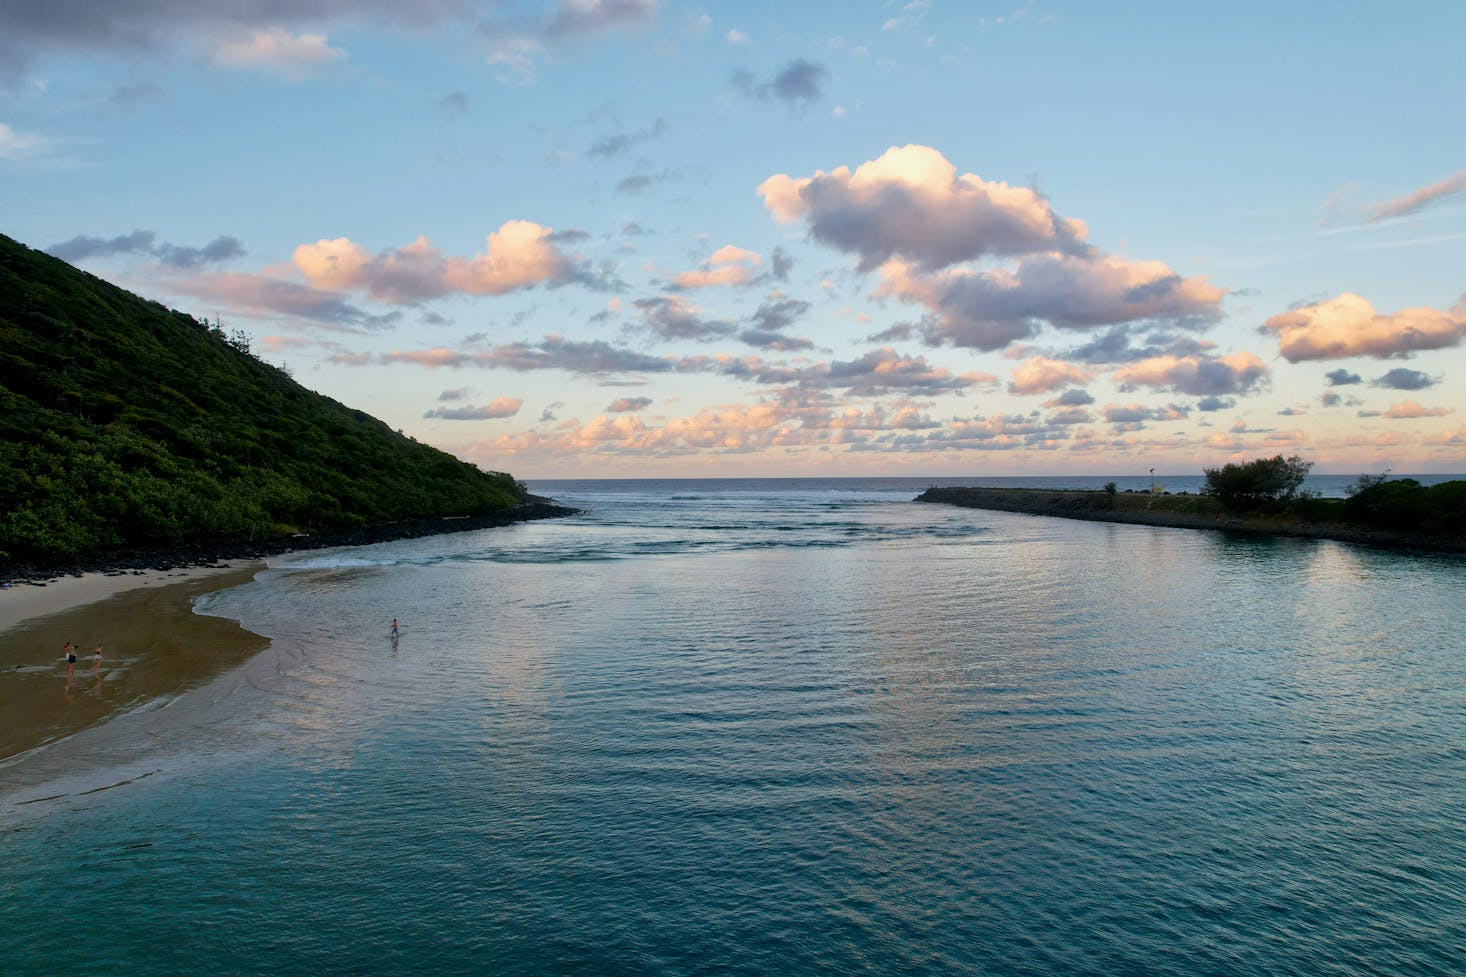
<point>770,729</point>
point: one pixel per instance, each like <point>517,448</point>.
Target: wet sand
<point>154,646</point>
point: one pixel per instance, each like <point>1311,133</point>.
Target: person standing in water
<point>97,660</point>
<point>394,627</point>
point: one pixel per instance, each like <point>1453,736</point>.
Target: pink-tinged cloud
<point>1349,326</point>
<point>1200,375</point>
<point>1041,375</point>
<point>911,204</point>
<point>728,265</point>
<point>258,295</point>
<point>430,358</point>
<point>520,254</point>
<point>279,52</point>
<point>1409,409</point>
<point>1449,439</point>
<point>989,308</point>
<point>627,405</point>
<point>1424,197</point>
<point>500,407</point>
<point>1140,413</point>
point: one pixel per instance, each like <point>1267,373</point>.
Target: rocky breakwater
<point>1311,518</point>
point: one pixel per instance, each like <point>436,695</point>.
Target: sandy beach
<point>153,645</point>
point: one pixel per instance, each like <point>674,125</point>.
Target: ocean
<point>784,727</point>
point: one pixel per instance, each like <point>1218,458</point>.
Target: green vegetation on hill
<point>123,423</point>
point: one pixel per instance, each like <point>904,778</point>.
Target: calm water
<point>790,728</point>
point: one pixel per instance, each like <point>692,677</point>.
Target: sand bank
<point>153,646</point>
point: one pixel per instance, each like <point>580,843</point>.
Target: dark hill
<point>124,424</point>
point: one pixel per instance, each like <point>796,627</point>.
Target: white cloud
<point>19,145</point>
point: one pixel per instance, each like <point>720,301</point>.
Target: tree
<point>1256,483</point>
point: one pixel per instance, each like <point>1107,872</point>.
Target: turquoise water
<point>739,729</point>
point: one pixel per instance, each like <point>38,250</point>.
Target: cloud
<point>19,145</point>
<point>988,309</point>
<point>460,393</point>
<point>1200,376</point>
<point>1403,379</point>
<point>911,215</point>
<point>1071,398</point>
<point>1409,410</point>
<point>1138,413</point>
<point>1208,405</point>
<point>595,357</point>
<point>672,317</point>
<point>1041,375</point>
<point>501,407</point>
<point>83,247</point>
<point>767,325</point>
<point>1424,197</point>
<point>728,265</point>
<point>910,203</point>
<point>517,43</point>
<point>279,52</point>
<point>780,264</point>
<point>618,144</point>
<point>577,18</point>
<point>455,103</point>
<point>626,405</point>
<point>736,36</point>
<point>1330,399</point>
<point>260,295</point>
<point>28,30</point>
<point>1349,326</point>
<point>797,83</point>
<point>520,254</point>
<point>884,370</point>
<point>1113,346</point>
<point>1448,438</point>
<point>1342,378</point>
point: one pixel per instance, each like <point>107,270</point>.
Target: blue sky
<point>627,237</point>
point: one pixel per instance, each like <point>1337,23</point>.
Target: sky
<point>645,238</point>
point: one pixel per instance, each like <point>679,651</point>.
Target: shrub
<point>1256,483</point>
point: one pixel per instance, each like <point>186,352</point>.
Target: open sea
<point>784,727</point>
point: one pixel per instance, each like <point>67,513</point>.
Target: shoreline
<point>210,553</point>
<point>1125,508</point>
<point>155,647</point>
